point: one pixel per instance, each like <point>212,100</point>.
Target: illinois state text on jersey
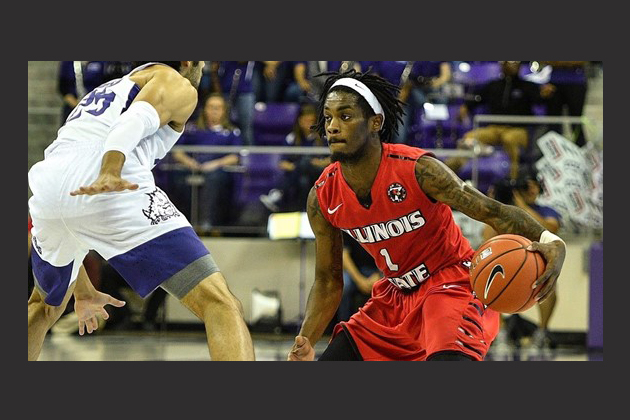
<point>409,235</point>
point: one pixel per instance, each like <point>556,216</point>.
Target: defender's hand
<point>87,309</point>
<point>301,351</point>
<point>105,183</point>
<point>553,253</point>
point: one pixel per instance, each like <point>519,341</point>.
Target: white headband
<point>364,91</point>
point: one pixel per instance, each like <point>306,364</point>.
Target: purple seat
<point>540,110</point>
<point>261,175</point>
<point>429,134</point>
<point>491,169</point>
<point>478,73</point>
<point>273,121</point>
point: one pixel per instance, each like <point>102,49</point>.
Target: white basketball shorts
<point>139,232</point>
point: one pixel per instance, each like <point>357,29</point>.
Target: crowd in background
<point>273,103</point>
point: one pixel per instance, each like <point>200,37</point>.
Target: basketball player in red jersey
<point>396,201</point>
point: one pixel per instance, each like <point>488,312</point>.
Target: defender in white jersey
<point>94,190</point>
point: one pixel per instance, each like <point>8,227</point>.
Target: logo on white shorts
<point>36,245</point>
<point>160,207</point>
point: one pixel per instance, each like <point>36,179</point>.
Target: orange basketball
<point>503,272</point>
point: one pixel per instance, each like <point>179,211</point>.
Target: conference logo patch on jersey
<point>160,207</point>
<point>396,192</point>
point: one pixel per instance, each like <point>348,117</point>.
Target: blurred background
<point>527,133</point>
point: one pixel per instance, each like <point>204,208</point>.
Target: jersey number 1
<point>388,260</point>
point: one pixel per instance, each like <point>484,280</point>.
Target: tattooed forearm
<point>514,220</point>
<point>442,184</point>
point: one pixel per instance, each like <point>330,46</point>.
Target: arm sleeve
<point>139,121</point>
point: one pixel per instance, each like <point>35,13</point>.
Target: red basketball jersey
<point>409,235</point>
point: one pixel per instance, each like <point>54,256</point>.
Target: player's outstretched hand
<point>302,351</point>
<point>553,253</point>
<point>88,308</point>
<point>105,183</point>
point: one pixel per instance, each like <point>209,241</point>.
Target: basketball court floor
<point>191,346</point>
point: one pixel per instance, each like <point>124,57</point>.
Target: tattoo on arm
<point>312,205</point>
<point>442,184</point>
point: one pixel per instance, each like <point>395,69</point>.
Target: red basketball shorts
<point>441,315</point>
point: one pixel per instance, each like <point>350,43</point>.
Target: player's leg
<point>180,263</point>
<point>222,314</point>
<point>489,135</point>
<point>151,244</point>
<point>512,141</point>
<point>545,309</point>
<point>56,261</point>
<point>453,324</point>
<point>41,318</point>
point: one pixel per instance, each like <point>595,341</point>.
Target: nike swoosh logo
<point>497,269</point>
<point>335,209</point>
<point>449,286</point>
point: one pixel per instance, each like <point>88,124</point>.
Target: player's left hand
<point>554,254</point>
<point>88,308</point>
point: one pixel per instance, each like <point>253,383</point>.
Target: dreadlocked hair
<point>385,92</point>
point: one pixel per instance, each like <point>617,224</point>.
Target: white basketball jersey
<point>92,119</point>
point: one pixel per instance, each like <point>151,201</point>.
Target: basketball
<point>502,273</point>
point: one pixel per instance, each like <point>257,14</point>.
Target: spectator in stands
<point>508,95</point>
<point>234,79</point>
<point>117,69</point>
<point>359,275</point>
<point>305,86</point>
<point>216,196</point>
<point>420,82</point>
<point>570,81</point>
<point>523,193</point>
<point>299,171</point>
<point>76,78</point>
<point>271,79</point>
